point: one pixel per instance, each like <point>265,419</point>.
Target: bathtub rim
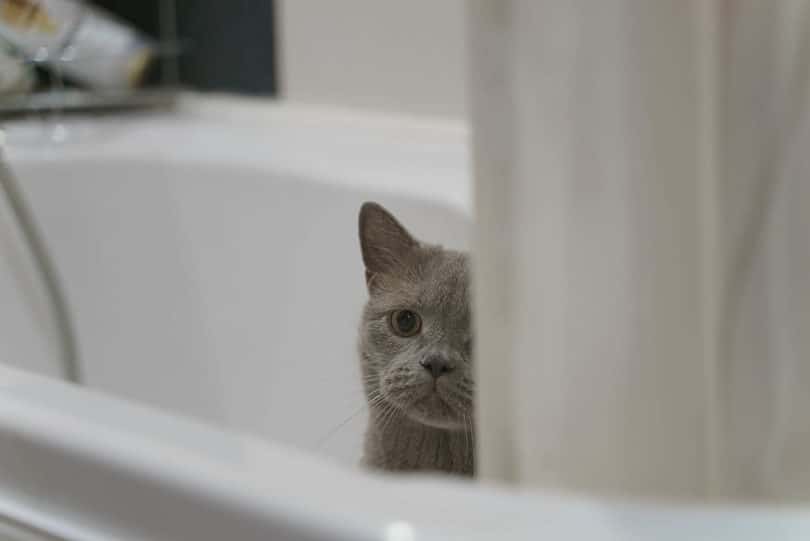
<point>419,157</point>
<point>120,448</point>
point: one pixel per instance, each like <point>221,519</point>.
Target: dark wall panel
<point>227,45</point>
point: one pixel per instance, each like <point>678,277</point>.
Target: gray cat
<point>415,351</point>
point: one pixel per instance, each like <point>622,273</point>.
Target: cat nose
<point>436,365</point>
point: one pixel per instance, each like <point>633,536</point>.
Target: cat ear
<point>387,246</point>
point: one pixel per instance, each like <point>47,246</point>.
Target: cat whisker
<point>385,417</point>
<point>378,404</point>
<point>334,430</point>
<point>376,400</point>
<point>391,415</point>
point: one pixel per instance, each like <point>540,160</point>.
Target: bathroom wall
<point>376,54</point>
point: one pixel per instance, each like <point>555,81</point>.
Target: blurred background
<point>223,46</point>
<point>405,57</point>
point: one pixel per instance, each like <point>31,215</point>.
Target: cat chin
<point>433,411</point>
<point>422,401</point>
<point>443,424</point>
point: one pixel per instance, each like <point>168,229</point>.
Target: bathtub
<point>210,260</point>
<point>211,256</point>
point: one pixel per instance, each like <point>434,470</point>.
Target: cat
<point>415,351</point>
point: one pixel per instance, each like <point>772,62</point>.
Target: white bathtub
<point>211,262</point>
<point>211,257</point>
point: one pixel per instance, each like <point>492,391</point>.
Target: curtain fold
<point>643,245</point>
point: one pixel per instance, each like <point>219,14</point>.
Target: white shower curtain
<point>643,245</point>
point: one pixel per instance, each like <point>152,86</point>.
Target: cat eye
<point>405,323</point>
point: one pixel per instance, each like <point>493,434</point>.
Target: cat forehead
<point>441,284</point>
<point>446,280</point>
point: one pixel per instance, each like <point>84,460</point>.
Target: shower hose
<point>44,266</point>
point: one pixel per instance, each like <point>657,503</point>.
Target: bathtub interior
<point>226,292</point>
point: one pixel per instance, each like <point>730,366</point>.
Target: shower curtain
<point>642,173</point>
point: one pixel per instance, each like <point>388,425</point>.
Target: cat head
<point>415,335</point>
